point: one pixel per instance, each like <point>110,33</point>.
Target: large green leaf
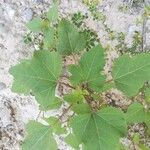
<point>39,137</point>
<point>135,113</point>
<point>130,73</point>
<point>100,131</point>
<point>40,75</point>
<point>69,38</point>
<point>89,69</point>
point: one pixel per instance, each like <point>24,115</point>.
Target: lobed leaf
<point>101,130</point>
<point>70,40</point>
<point>40,75</point>
<point>89,69</point>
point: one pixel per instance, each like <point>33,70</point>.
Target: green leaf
<point>35,25</point>
<point>143,147</point>
<point>52,14</point>
<point>130,73</point>
<point>77,102</point>
<point>101,130</point>
<point>39,137</point>
<point>69,39</point>
<point>56,125</point>
<point>72,141</point>
<point>135,113</point>
<point>49,38</point>
<point>81,108</point>
<point>89,69</point>
<point>55,104</point>
<point>75,97</point>
<point>40,75</point>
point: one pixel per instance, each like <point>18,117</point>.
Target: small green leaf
<point>130,73</point>
<point>101,130</point>
<point>49,38</point>
<point>39,137</point>
<point>136,138</point>
<point>135,113</point>
<point>72,141</point>
<point>69,39</point>
<point>52,14</point>
<point>89,69</point>
<point>56,125</point>
<point>74,97</point>
<point>40,75</point>
<point>77,102</point>
<point>35,25</point>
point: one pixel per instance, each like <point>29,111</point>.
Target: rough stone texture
<point>17,110</point>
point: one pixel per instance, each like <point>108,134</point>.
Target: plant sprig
<point>95,124</point>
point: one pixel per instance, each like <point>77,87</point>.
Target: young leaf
<point>75,97</point>
<point>40,74</point>
<point>35,25</point>
<point>39,137</point>
<point>69,39</point>
<point>130,73</point>
<point>56,125</point>
<point>89,69</point>
<point>76,100</point>
<point>135,113</point>
<point>52,14</point>
<point>72,141</point>
<point>100,131</point>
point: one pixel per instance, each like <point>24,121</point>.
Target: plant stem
<point>109,81</point>
<point>68,85</point>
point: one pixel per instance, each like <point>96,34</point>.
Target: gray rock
<point>2,86</point>
<point>28,14</point>
<point>37,1</point>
